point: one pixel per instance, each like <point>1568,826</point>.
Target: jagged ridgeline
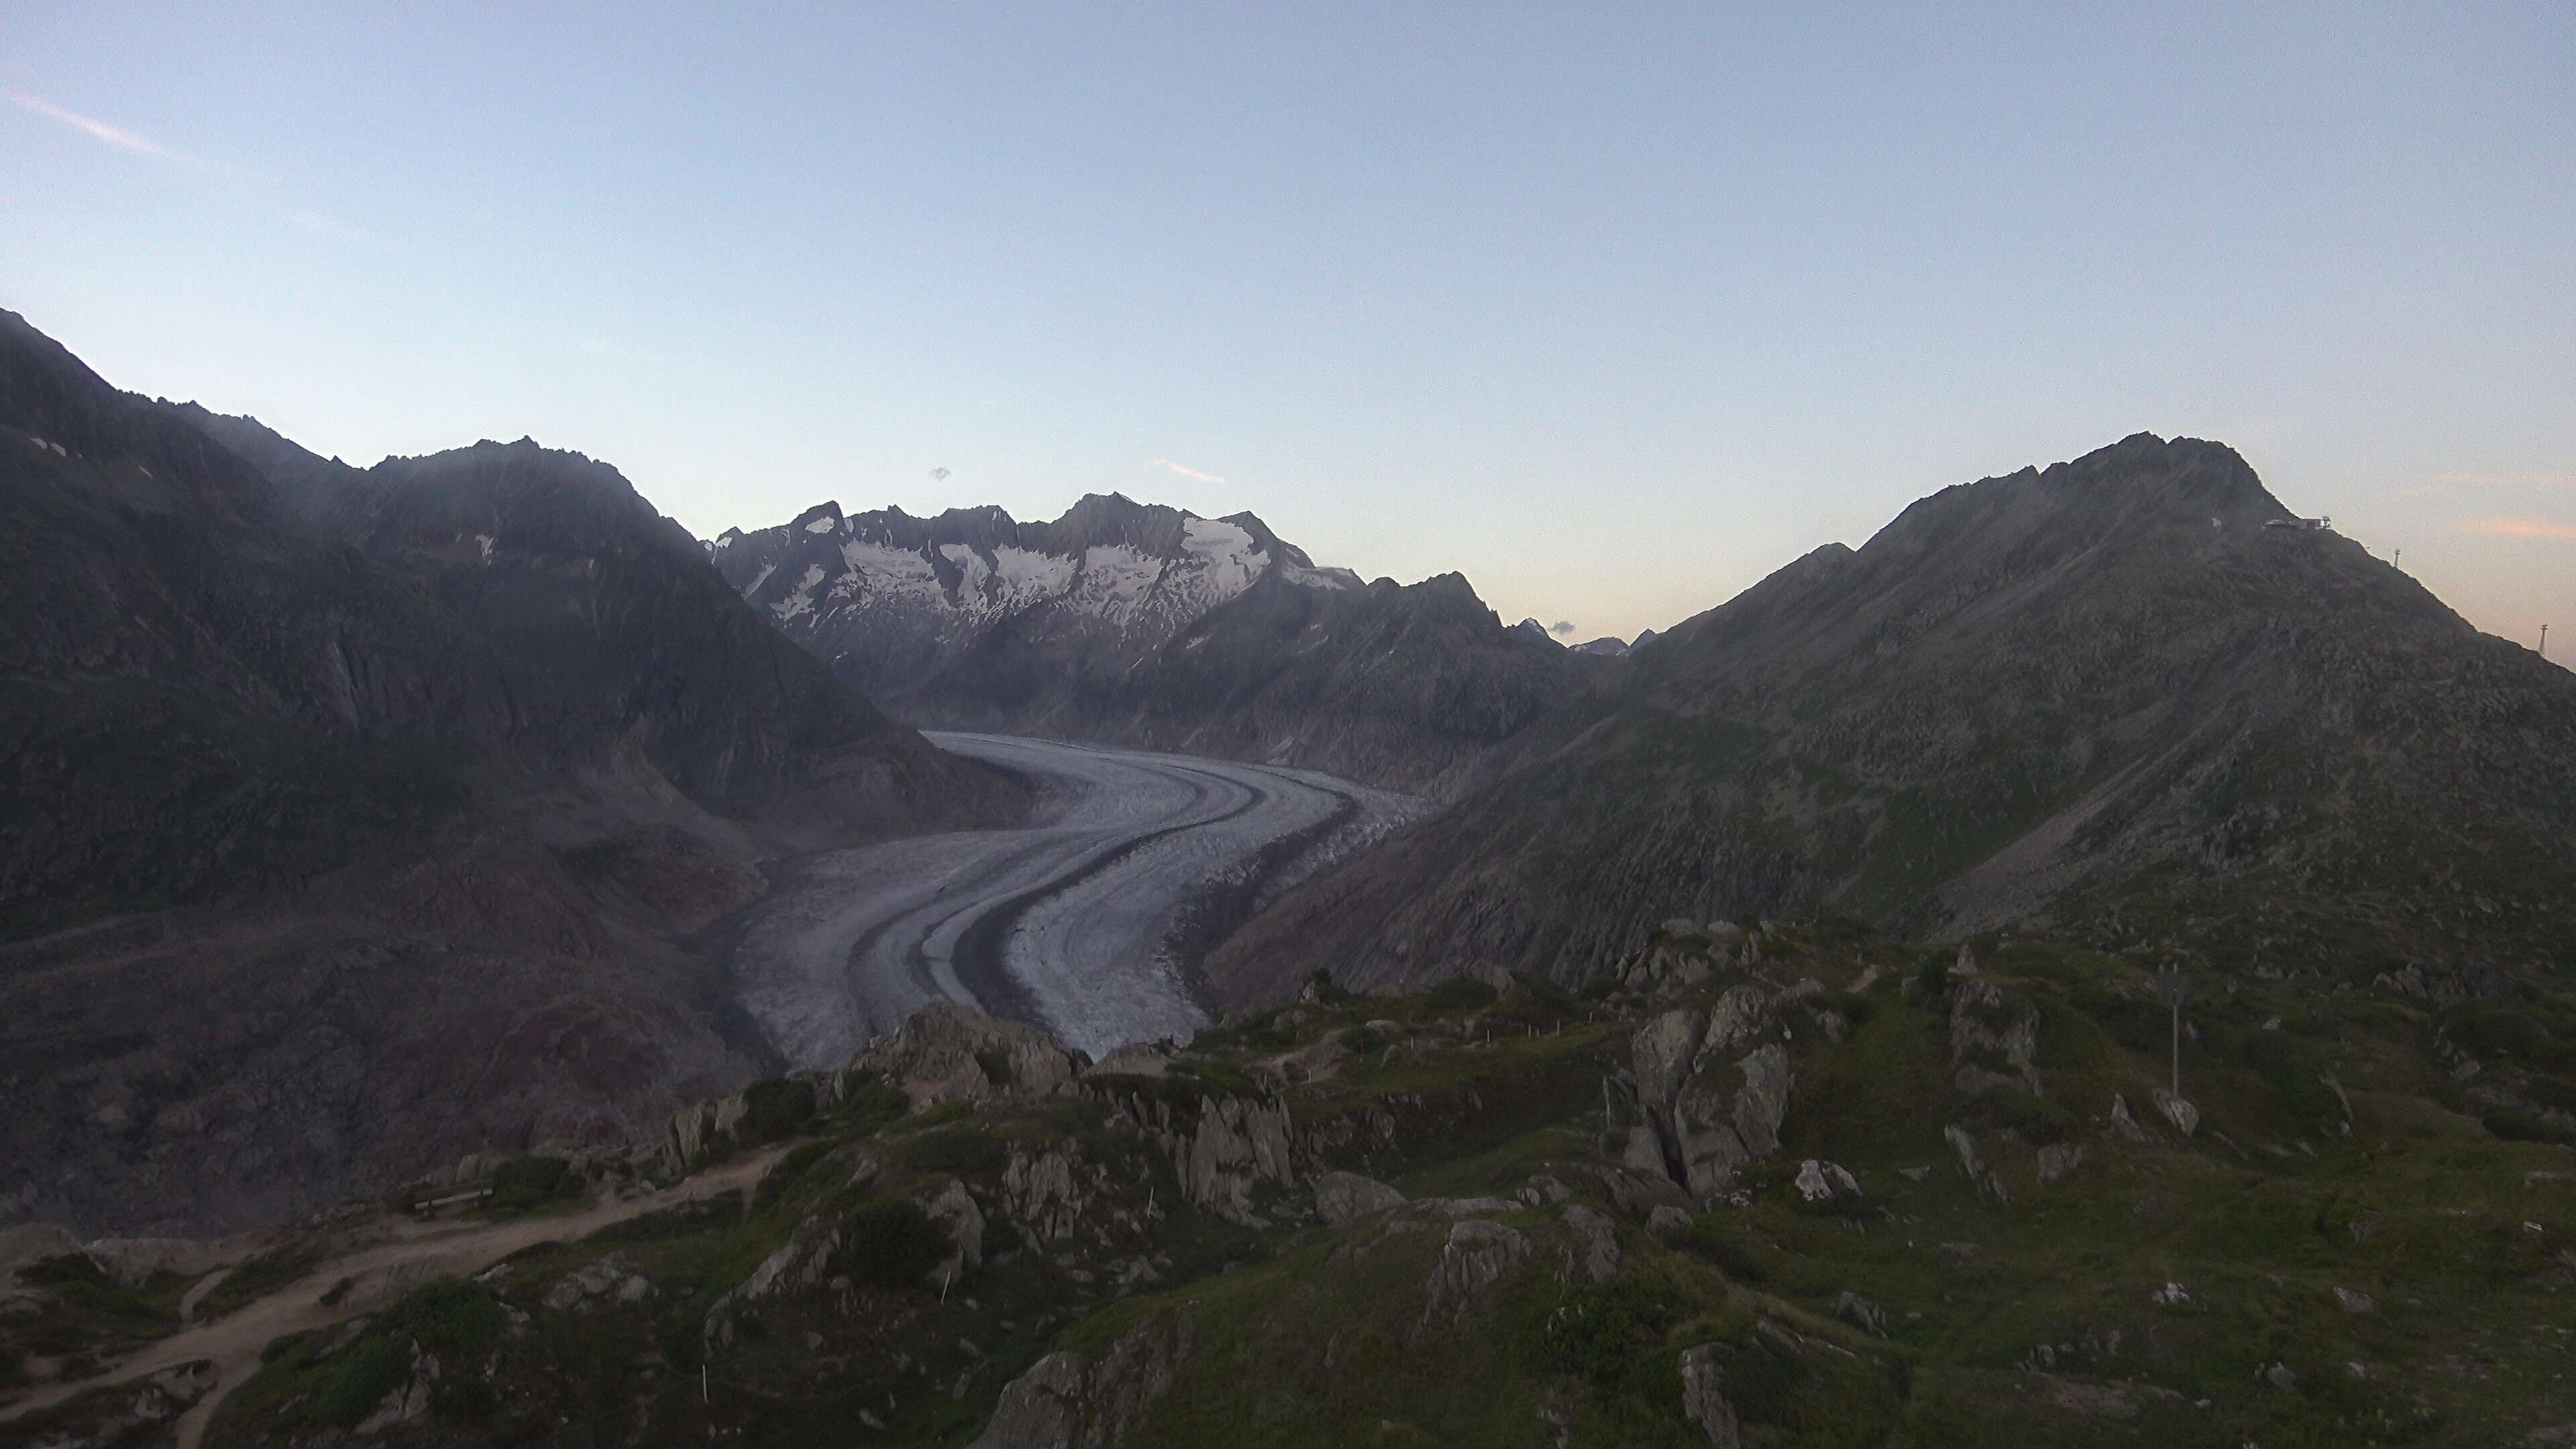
<point>2111,697</point>
<point>356,817</point>
<point>1776,1185</point>
<point>1145,625</point>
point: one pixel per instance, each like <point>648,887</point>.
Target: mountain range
<point>2130,697</point>
<point>359,819</point>
<point>1145,625</point>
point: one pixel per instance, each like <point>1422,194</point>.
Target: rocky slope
<point>2125,695</point>
<point>357,818</point>
<point>1148,626</point>
<point>1787,1185</point>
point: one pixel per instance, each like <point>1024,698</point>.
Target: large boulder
<point>1343,1198</point>
<point>1704,1400</point>
<point>947,1051</point>
<point>1072,1400</point>
<point>1706,1091</point>
<point>1479,1252</point>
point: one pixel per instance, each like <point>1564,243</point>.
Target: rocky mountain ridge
<point>1149,626</point>
<point>2112,695</point>
<point>360,817</point>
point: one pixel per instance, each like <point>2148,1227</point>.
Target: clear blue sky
<point>1614,313</point>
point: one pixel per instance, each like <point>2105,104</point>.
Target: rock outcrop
<point>950,1052</point>
<point>1695,1104</point>
<point>1479,1252</point>
<point>1073,1400</point>
<point>1344,1198</point>
<point>1704,1400</point>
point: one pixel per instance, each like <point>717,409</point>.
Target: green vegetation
<point>261,1275</point>
<point>2356,1216</point>
<point>524,1184</point>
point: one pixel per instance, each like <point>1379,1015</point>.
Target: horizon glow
<point>1611,313</point>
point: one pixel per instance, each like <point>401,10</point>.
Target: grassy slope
<point>2030,1321</point>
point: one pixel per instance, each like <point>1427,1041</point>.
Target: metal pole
<point>2544,641</point>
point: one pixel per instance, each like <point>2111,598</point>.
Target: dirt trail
<point>377,1276</point>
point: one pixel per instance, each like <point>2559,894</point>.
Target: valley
<point>1087,918</point>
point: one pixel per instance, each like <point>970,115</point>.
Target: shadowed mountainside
<point>357,820</point>
<point>2110,696</point>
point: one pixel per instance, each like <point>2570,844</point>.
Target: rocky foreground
<point>1780,1186</point>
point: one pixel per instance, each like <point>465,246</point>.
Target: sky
<point>1612,309</point>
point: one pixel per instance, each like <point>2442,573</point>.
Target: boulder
<point>2126,1125</point>
<point>947,1051</point>
<point>1823,1182</point>
<point>1965,1148</point>
<point>1136,1059</point>
<point>1861,1312</point>
<point>1543,1190</point>
<point>1734,1020</point>
<point>954,1210</point>
<point>1073,1400</point>
<point>1042,1193</point>
<point>1479,1252</point>
<point>1704,1400</point>
<point>1344,1198</point>
<point>2058,1161</point>
<point>1662,1051</point>
<point>2179,1111</point>
<point>1596,1243</point>
<point>1993,1042</point>
<point>598,1283</point>
<point>1239,1144</point>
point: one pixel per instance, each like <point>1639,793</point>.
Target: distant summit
<point>1609,647</point>
<point>2106,697</point>
<point>1148,625</point>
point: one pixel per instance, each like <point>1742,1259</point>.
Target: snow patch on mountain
<point>799,600</point>
<point>1114,582</point>
<point>1324,578</point>
<point>1028,576</point>
<point>824,524</point>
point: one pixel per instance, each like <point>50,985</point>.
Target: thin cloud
<point>1186,471</point>
<point>2515,528</point>
<point>122,139</point>
<point>1561,626</point>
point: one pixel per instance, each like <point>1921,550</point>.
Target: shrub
<point>956,1149</point>
<point>793,1166</point>
<point>1459,993</point>
<point>361,1380</point>
<point>2036,1119</point>
<point>1706,1238</point>
<point>1609,1336</point>
<point>891,1245</point>
<point>451,1316</point>
<point>2513,1124</point>
<point>779,1107</point>
<point>523,1183</point>
<point>871,1105</point>
<point>1327,991</point>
